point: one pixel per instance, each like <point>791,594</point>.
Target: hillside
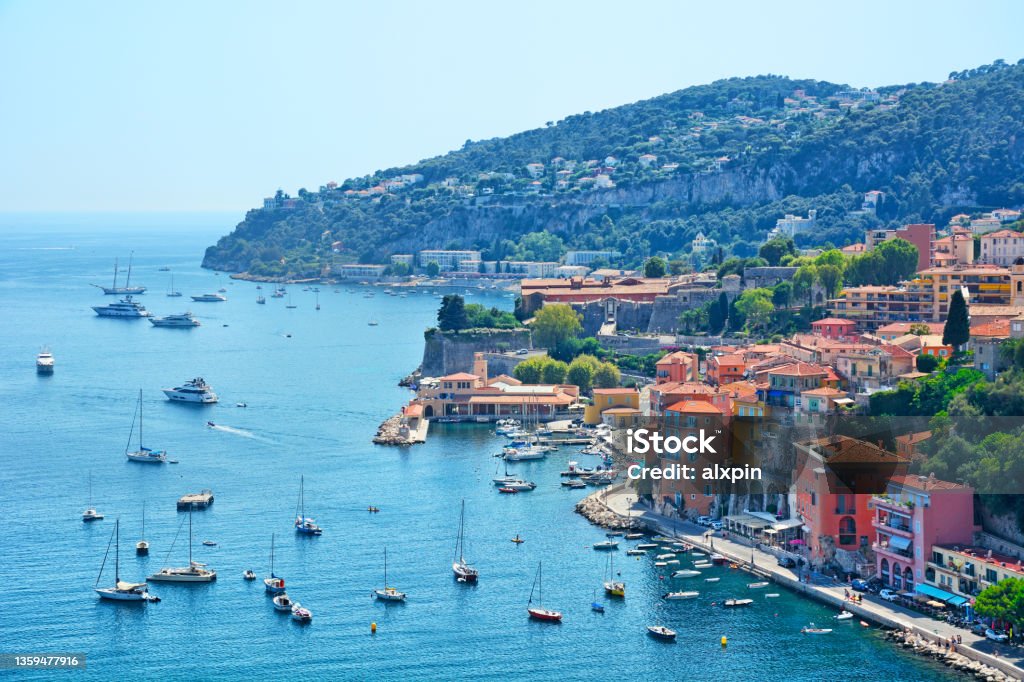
<point>727,159</point>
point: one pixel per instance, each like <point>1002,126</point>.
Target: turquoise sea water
<point>314,401</point>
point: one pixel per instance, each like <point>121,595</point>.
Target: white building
<point>703,245</point>
<point>588,257</point>
<point>792,224</point>
<point>447,260</point>
<point>647,160</point>
<point>358,271</point>
<point>603,181</point>
<point>535,170</point>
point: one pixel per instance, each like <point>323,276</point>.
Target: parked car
<point>716,525</point>
<point>787,562</point>
<point>889,595</point>
<point>995,635</point>
<point>979,628</point>
<point>523,351</point>
<point>703,520</point>
<point>859,585</point>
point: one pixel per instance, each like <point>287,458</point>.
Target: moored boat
<point>685,573</point>
<point>305,525</point>
<point>192,391</point>
<point>539,612</point>
<point>463,572</point>
<point>734,603</point>
<point>282,602</point>
<point>121,591</point>
<point>661,632</point>
<point>388,593</point>
<point>195,572</point>
<point>44,362</point>
<point>301,614</point>
<point>143,454</point>
<point>273,584</point>
<point>675,596</point>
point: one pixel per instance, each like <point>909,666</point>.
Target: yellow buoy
<point>724,640</point>
<point>373,628</point>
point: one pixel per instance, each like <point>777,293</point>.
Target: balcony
<point>902,531</point>
<point>892,504</point>
<point>892,552</point>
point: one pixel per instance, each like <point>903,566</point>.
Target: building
<point>834,328</point>
<point>681,496</point>
<point>959,572</point>
<point>1002,247</point>
<point>535,170</point>
<point>895,330</point>
<point>787,382</point>
<point>956,249</point>
<point>914,514</point>
<point>589,257</point>
<point>678,366</point>
<point>621,417</point>
<point>986,342</point>
<point>907,444</point>
<point>791,225</point>
<point>872,306</point>
<point>448,261</point>
<point>537,292</point>
<point>661,396</point>
<point>725,369</point>
<point>610,398</point>
<point>567,271</point>
<point>703,245</point>
<point>921,235</point>
<point>404,258</point>
<point>358,271</point>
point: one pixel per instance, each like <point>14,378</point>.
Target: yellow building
<point>609,398</point>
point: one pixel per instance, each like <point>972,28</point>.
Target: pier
<point>200,500</point>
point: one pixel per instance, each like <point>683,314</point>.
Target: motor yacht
<point>194,391</point>
<point>181,320</point>
<point>126,307</point>
<point>210,298</point>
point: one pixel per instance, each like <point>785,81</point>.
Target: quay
<point>984,659</point>
<point>200,500</point>
<point>408,427</point>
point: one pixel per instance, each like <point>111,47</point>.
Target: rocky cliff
<point>448,352</point>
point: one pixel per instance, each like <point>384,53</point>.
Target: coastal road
<point>623,502</point>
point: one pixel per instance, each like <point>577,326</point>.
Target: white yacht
<point>210,298</point>
<point>195,572</point>
<point>182,320</point>
<point>126,307</point>
<point>121,591</point>
<point>143,454</point>
<point>127,289</point>
<point>44,362</point>
<point>194,391</point>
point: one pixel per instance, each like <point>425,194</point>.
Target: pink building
<point>915,513</point>
<point>834,328</point>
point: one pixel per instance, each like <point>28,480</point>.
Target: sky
<point>210,106</point>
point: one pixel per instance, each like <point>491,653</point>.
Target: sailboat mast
<point>271,555</point>
<point>385,568</point>
<point>140,420</point>
<point>190,536</point>
<point>128,281</point>
<point>114,285</point>
<point>117,552</point>
<point>143,520</point>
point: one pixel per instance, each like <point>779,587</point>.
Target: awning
<point>844,401</point>
<point>949,598</point>
<point>786,524</point>
<point>899,543</point>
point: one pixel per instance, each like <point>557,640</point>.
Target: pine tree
<point>957,331</point>
<point>452,314</point>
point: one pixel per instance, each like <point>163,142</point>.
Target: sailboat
<point>91,514</point>
<point>615,588</point>
<point>143,454</point>
<point>464,573</point>
<point>142,546</point>
<point>172,292</point>
<point>127,289</point>
<point>120,591</point>
<point>273,584</point>
<point>290,305</point>
<point>304,525</point>
<point>261,299</point>
<point>539,612</point>
<point>388,593</point>
<point>195,572</point>
<point>318,299</point>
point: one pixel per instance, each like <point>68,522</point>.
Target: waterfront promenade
<point>1009,660</point>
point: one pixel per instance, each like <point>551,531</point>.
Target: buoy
<point>724,640</point>
<point>373,628</point>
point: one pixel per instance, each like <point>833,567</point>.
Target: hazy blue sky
<point>214,105</point>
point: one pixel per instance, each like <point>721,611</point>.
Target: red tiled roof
<point>460,376</point>
<point>799,369</point>
<point>925,483</point>
<point>615,391</point>
<point>833,320</point>
<point>997,328</point>
<point>696,406</point>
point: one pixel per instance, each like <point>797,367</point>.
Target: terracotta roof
<point>925,483</point>
<point>799,369</point>
<point>901,328</point>
<point>675,358</point>
<point>727,360</point>
<point>833,320</point>
<point>697,406</point>
<point>739,389</point>
<point>825,391</point>
<point>911,438</point>
<point>840,449</point>
<point>996,328</point>
<point>528,399</point>
<point>615,391</point>
<point>1002,233</point>
<point>413,410</point>
<point>505,379</point>
<point>621,410</point>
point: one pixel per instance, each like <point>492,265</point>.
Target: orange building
<point>672,392</point>
<point>678,366</point>
<point>683,419</point>
<point>725,369</point>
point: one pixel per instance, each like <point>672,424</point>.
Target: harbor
<point>314,388</point>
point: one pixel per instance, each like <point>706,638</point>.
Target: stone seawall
<point>448,352</point>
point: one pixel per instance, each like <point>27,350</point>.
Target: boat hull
<point>389,595</point>
<point>199,398</point>
<point>464,573</point>
<point>273,585</point>
<point>204,577</point>
<point>147,457</point>
<point>120,595</point>
<point>546,615</point>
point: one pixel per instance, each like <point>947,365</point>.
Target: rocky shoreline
<point>594,510</point>
<point>948,657</point>
<point>393,432</point>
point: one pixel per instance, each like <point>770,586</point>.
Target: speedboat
<point>757,586</point>
<point>301,614</point>
<point>182,320</point>
<point>126,307</point>
<point>814,630</point>
<point>661,632</point>
<point>636,552</point>
<point>249,574</point>
<point>44,362</point>
<point>634,536</point>
<point>715,580</point>
<point>685,573</point>
<point>521,485</point>
<point>193,391</point>
<point>844,615</point>
<point>674,596</point>
<point>606,544</point>
<point>573,484</point>
<point>665,557</point>
<point>282,602</point>
<point>209,298</point>
<point>507,490</point>
<point>91,515</point>
<point>647,545</point>
<point>717,559</point>
<point>733,603</point>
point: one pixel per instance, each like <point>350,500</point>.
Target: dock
<point>200,500</point>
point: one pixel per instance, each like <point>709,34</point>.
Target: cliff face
<point>447,353</point>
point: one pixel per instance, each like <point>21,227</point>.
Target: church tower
<point>1017,283</point>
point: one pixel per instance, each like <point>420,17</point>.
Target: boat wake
<point>241,432</point>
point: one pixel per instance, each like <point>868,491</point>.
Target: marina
<point>310,415</point>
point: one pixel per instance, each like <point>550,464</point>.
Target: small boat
<point>661,632</point>
<point>665,557</point>
<point>241,405</point>
<point>518,540</point>
<point>717,559</point>
<point>674,596</point>
<point>463,572</point>
<point>210,298</point>
<point>812,629</point>
<point>172,292</point>
<point>597,606</point>
<point>222,290</point>
<point>143,454</point>
<point>634,536</point>
<point>121,591</point>
<point>195,572</point>
<point>373,510</point>
<point>647,545</point>
<point>283,602</point>
<point>844,615</point>
<point>249,574</point>
<point>772,595</point>
<point>142,546</point>
<point>164,269</point>
<point>660,564</point>
<point>574,484</point>
<point>388,593</point>
<point>702,564</point>
<point>210,424</point>
<point>662,539</point>
<point>733,603</point>
<point>521,485</point>
<point>273,584</point>
<point>507,490</point>
<point>711,580</point>
<point>209,543</point>
<point>757,585</point>
<point>615,588</point>
<point>261,300</point>
<point>90,514</point>
<point>672,562</point>
<point>305,525</point>
<point>606,545</point>
<point>373,323</point>
<point>539,612</point>
<point>300,614</point>
<point>636,552</point>
<point>613,534</point>
<point>865,623</point>
<point>685,573</point>
<point>44,362</point>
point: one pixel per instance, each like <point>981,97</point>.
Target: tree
<point>755,305</point>
<point>899,260</point>
<point>452,314</point>
<point>957,331</point>
<point>831,278</point>
<point>399,269</point>
<point>782,294</point>
<point>581,372</point>
<point>678,267</point>
<point>539,246</point>
<point>655,267</point>
<point>927,363</point>
<point>554,372</point>
<point>555,324</point>
<point>1004,601</point>
<point>718,312</point>
<point>529,371</point>
<point>773,250</point>
<point>803,281</point>
<point>433,269</point>
<point>607,375</point>
<point>920,329</point>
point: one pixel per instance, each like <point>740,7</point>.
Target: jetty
<point>408,427</point>
<point>200,500</point>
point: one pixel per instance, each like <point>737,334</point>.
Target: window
<point>937,558</point>
<point>707,490</point>
<point>847,530</point>
<point>991,575</point>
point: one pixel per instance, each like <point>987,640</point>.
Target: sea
<point>315,384</point>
